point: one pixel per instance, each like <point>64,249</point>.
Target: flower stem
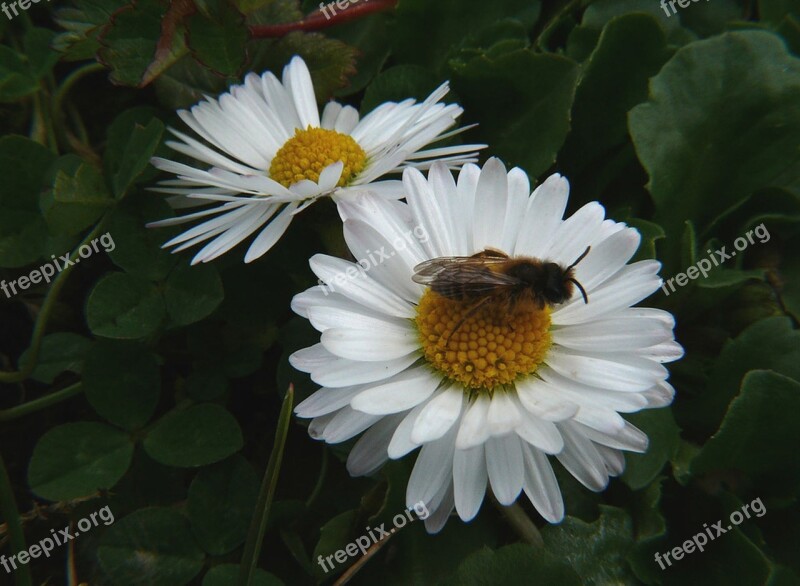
<point>8,508</point>
<point>318,20</point>
<point>255,537</point>
<point>44,314</point>
<point>41,403</point>
<point>521,523</point>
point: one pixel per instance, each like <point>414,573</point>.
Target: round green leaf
<point>122,382</point>
<point>77,459</point>
<point>221,503</point>
<point>197,436</point>
<point>192,293</point>
<point>124,306</point>
<point>138,248</point>
<point>60,352</point>
<point>152,547</point>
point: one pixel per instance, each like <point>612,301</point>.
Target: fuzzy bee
<point>492,275</point>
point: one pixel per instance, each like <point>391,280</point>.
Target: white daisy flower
<point>266,154</point>
<point>486,392</point>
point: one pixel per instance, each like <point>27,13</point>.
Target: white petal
<point>346,424</point>
<point>369,452</point>
<point>473,429</point>
<point>370,345</point>
<point>438,416</point>
<point>469,481</point>
<point>326,401</point>
<point>403,391</point>
<point>503,416</point>
<point>491,199</point>
<point>271,234</point>
<point>541,485</point>
<point>543,216</point>
<point>505,467</point>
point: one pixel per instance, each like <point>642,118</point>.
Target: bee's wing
<point>454,276</point>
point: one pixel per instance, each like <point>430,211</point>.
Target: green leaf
<point>138,248</point>
<point>708,146</point>
<point>197,436</point>
<point>219,40</point>
<point>124,306</point>
<point>221,502</point>
<point>759,433</point>
<point>41,57</point>
<point>425,31</point>
<point>370,37</point>
<point>770,344</point>
<point>122,382</point>
<point>23,236</point>
<point>334,535</point>
<point>187,82</point>
<point>664,436</point>
<point>192,293</point>
<point>16,81</point>
<point>397,84</point>
<point>79,198</point>
<point>23,233</point>
<point>206,383</point>
<point>24,164</point>
<point>143,39</point>
<point>513,565</point>
<point>150,547</point>
<point>78,459</point>
<point>651,233</point>
<point>227,574</point>
<point>523,101</point>
<point>82,25</point>
<point>133,138</point>
<point>60,352</point>
<point>596,551</point>
<point>330,62</point>
<point>631,49</point>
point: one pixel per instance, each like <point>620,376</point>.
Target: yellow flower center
<point>494,345</point>
<point>309,151</point>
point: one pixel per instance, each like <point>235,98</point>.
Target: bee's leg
<point>460,323</point>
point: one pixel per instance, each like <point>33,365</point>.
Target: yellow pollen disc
<point>309,151</point>
<point>495,344</point>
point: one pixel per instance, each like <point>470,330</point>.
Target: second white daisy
<point>486,392</point>
<point>265,154</point>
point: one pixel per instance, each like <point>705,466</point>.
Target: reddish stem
<point>318,21</point>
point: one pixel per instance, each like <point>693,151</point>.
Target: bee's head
<point>555,286</point>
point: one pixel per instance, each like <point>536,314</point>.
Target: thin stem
<point>323,472</point>
<point>58,107</point>
<point>521,523</point>
<point>41,403</point>
<point>255,537</point>
<point>8,507</point>
<point>44,314</point>
<point>71,80</point>
<point>319,20</point>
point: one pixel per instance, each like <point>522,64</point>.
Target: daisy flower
<point>264,154</point>
<point>487,393</point>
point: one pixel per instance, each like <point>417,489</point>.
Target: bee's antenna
<point>582,290</point>
<point>579,259</point>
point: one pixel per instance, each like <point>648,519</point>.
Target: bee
<point>493,275</point>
